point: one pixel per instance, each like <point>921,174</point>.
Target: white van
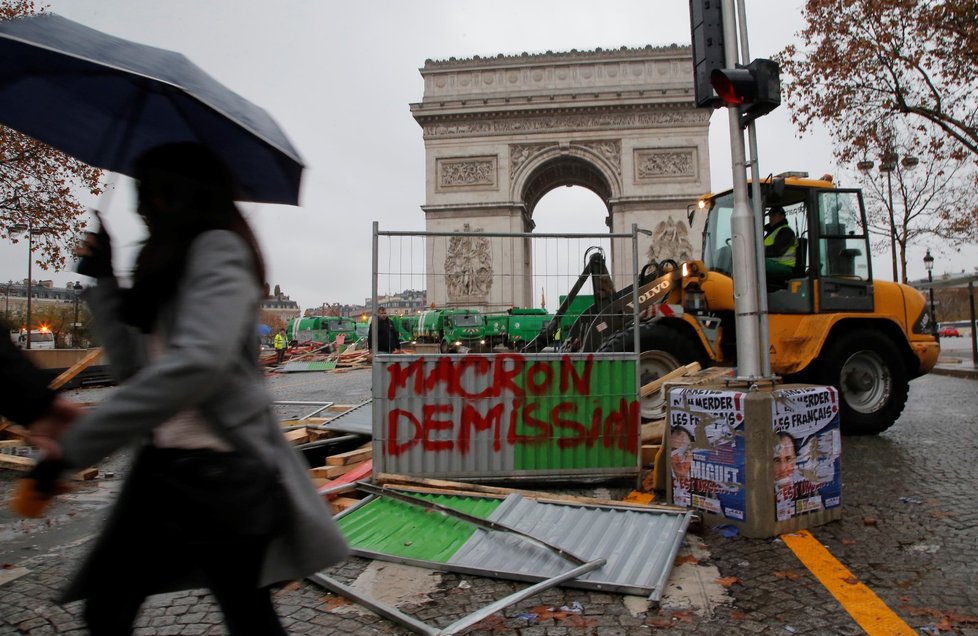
<point>40,339</point>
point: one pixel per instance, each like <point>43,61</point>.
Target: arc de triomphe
<point>501,132</point>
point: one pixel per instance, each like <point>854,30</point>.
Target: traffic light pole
<point>743,237</point>
<point>764,341</point>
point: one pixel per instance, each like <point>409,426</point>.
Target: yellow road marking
<point>863,605</point>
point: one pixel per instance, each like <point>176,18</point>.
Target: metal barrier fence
<point>495,383</point>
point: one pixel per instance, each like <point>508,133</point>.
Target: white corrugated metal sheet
<point>359,419</point>
<point>639,545</point>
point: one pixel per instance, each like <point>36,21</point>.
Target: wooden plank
<point>355,474</point>
<point>11,443</point>
<point>652,432</point>
<point>85,475</point>
<point>331,472</point>
<point>16,462</point>
<point>298,436</point>
<point>648,453</point>
<point>315,435</point>
<point>16,431</point>
<point>656,385</point>
<point>350,457</point>
<point>406,482</point>
<point>69,374</point>
<point>339,504</point>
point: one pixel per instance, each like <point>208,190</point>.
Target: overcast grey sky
<point>339,78</point>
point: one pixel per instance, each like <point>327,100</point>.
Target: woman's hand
<point>94,254</point>
<point>46,430</point>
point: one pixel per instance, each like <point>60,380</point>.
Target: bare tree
<point>864,63</point>
<point>930,199</point>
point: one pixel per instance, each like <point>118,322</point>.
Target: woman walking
<point>216,497</point>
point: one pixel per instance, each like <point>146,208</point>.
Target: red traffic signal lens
<point>734,86</point>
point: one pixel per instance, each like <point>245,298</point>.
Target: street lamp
<point>74,326</point>
<point>888,163</point>
<point>6,310</point>
<point>929,266</point>
<point>31,231</point>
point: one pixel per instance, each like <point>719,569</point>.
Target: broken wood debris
<point>344,357</point>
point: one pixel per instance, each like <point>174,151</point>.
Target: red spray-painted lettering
<point>487,379</point>
<point>435,430</point>
<point>494,400</point>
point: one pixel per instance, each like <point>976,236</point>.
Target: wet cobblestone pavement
<point>909,531</point>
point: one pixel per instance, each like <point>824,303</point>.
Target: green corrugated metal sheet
<point>313,365</point>
<point>402,530</point>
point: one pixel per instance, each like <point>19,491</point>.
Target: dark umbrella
<point>105,101</point>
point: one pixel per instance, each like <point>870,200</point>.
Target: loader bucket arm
<point>594,269</point>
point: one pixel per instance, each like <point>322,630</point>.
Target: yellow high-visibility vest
<point>789,258</point>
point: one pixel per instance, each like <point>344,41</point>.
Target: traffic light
<point>706,22</point>
<point>755,89</point>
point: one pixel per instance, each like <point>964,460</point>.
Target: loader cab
<point>832,269</point>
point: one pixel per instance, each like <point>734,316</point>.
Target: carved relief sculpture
<point>502,125</point>
<point>520,153</point>
<point>468,267</point>
<point>610,150</point>
<point>670,239</point>
<point>462,173</point>
<point>665,163</point>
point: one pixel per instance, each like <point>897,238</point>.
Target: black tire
<point>664,349</point>
<point>444,347</point>
<point>871,378</point>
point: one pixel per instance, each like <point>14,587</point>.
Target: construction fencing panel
<point>494,383</point>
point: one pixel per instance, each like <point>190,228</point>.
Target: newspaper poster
<point>807,451</point>
<point>707,450</point>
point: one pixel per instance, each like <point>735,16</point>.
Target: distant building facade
<point>409,301</point>
<point>279,304</point>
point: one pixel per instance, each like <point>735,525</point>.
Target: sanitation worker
<point>280,344</point>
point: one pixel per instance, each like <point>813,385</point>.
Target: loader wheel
<point>664,349</point>
<point>444,347</point>
<point>871,378</point>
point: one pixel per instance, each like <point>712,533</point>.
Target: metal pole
<point>893,253</point>
<point>637,340</point>
<point>74,325</point>
<point>374,327</point>
<point>933,315</point>
<point>974,332</point>
<point>30,273</point>
<point>764,339</point>
<point>742,229</point>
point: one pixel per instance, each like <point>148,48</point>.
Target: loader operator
<point>780,246</point>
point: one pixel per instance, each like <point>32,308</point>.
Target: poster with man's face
<point>707,452</point>
<point>807,451</point>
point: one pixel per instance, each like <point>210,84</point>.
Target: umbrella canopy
<point>105,100</point>
<point>263,329</point>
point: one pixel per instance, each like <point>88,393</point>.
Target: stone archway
<point>501,132</point>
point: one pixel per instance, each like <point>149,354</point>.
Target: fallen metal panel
<point>480,522</point>
<point>299,366</point>
<point>359,419</point>
<point>639,546</point>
